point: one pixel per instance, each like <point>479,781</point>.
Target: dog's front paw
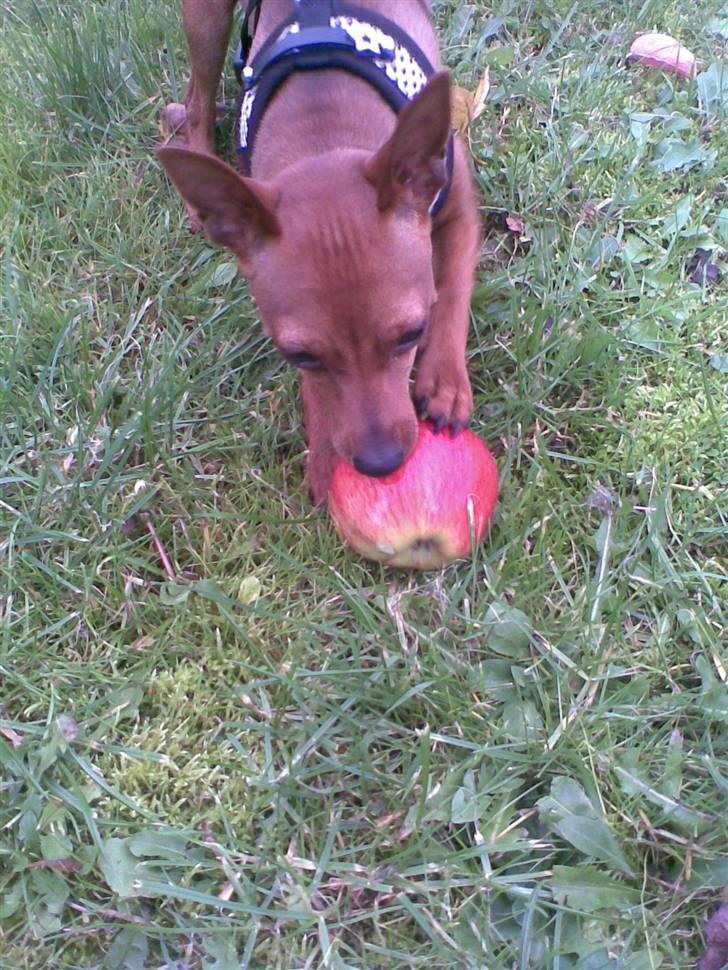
<point>442,391</point>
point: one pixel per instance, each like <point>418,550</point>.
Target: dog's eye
<point>303,360</point>
<point>409,339</point>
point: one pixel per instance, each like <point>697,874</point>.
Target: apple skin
<point>418,517</point>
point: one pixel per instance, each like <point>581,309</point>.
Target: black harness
<point>325,34</point>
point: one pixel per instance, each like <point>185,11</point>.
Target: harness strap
<point>324,35</point>
<point>310,11</point>
<point>247,31</point>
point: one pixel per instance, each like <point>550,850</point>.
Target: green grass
<point>288,757</point>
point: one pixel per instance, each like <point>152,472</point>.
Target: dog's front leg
<point>442,387</point>
<point>207,24</point>
<point>318,414</point>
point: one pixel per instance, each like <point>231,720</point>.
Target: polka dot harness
<point>325,34</point>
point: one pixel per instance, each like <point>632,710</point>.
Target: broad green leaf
<point>498,56</point>
<point>123,703</point>
<point>44,917</point>
<point>593,344</point>
<point>173,594</point>
<point>713,90</point>
<point>161,845</point>
<point>570,812</point>
<point>210,590</point>
<point>224,274</point>
<point>588,889</point>
<point>640,123</point>
<point>633,782</point>
<point>49,751</point>
<point>467,932</point>
<point>636,250</point>
<point>136,866</point>
<point>709,874</point>
<point>53,847</point>
<point>468,804</point>
<point>508,630</point>
<point>603,251</point>
<point>48,884</point>
<point>673,154</point>
<point>643,960</point>
<point>567,798</point>
<point>599,960</point>
<point>639,126</point>
<point>690,624</point>
<point>11,902</point>
<point>673,773</point>
<point>121,869</point>
<point>522,721</point>
<point>721,225</point>
<point>497,679</point>
<point>491,28</point>
<point>678,219</point>
<point>461,22</point>
<point>27,826</point>
<point>676,122</point>
<point>118,866</point>
<point>593,837</point>
<point>719,27</point>
<point>220,949</point>
<point>128,951</point>
<point>644,333</point>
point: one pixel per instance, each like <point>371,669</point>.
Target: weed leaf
<point>673,154</point>
<point>589,889</point>
<point>128,951</point>
<point>593,837</point>
<point>509,630</point>
<point>713,90</point>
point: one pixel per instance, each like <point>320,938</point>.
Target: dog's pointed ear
<point>410,167</point>
<point>235,212</point>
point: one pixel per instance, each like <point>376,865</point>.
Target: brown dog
<point>353,278</point>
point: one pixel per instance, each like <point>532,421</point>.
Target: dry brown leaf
<point>12,736</point>
<point>515,224</point>
<point>481,95</point>
<point>143,643</point>
<point>466,105</point>
<point>57,865</point>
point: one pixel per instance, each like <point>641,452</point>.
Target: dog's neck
<point>335,111</point>
<point>328,110</point>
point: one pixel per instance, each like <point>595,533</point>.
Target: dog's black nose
<point>379,458</point>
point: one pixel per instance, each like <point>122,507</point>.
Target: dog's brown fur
<point>334,236</point>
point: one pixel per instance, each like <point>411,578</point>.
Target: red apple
<point>429,511</point>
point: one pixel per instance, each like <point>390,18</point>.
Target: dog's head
<point>338,254</point>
